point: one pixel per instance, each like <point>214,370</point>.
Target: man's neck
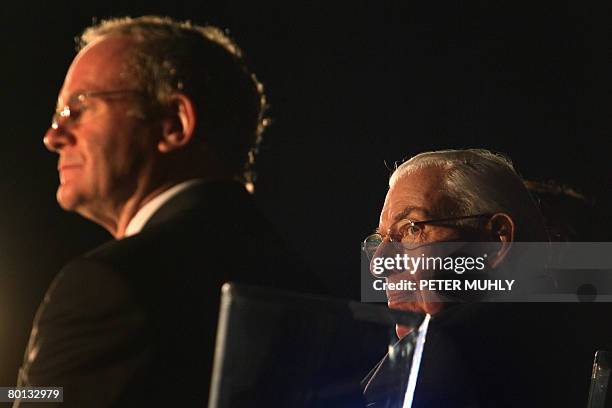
<point>115,217</point>
<point>132,207</point>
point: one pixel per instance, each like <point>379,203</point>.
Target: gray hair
<point>478,181</point>
<point>207,65</point>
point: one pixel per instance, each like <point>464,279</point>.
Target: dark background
<point>354,87</point>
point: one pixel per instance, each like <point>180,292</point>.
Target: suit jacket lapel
<point>385,385</point>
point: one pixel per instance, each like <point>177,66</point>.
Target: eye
<point>78,106</point>
<point>409,230</point>
<point>412,230</point>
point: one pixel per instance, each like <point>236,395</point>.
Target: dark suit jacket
<point>133,322</point>
<point>498,355</point>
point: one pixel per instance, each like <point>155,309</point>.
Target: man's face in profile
<point>105,148</point>
<point>415,196</point>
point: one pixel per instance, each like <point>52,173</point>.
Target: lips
<point>65,167</point>
<point>65,171</point>
<point>69,160</point>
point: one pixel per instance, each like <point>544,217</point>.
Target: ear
<point>501,229</point>
<point>178,123</point>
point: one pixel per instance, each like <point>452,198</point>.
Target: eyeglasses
<point>72,112</point>
<point>408,231</point>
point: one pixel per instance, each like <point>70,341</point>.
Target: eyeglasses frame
<point>64,114</point>
<point>412,223</point>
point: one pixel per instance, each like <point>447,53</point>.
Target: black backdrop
<point>354,87</point>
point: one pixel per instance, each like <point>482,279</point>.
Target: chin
<point>67,198</point>
<point>418,307</point>
<point>406,306</point>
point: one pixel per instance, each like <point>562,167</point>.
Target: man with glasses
<point>467,354</point>
<point>156,128</point>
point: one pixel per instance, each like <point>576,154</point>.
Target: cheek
<point>122,154</point>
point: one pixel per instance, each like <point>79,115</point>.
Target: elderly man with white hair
<point>471,354</point>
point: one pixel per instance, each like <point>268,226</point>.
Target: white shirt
<point>416,362</point>
<point>146,211</point>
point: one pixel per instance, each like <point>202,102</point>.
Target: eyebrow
<point>404,214</point>
<point>406,211</point>
<point>69,98</point>
<point>88,86</point>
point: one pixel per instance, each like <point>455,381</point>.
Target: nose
<point>56,138</point>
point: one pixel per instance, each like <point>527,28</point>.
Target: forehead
<point>417,193</point>
<point>101,65</point>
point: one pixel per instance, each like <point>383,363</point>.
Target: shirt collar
<point>416,362</point>
<point>146,211</point>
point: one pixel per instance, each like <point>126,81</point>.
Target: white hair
<point>478,181</point>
